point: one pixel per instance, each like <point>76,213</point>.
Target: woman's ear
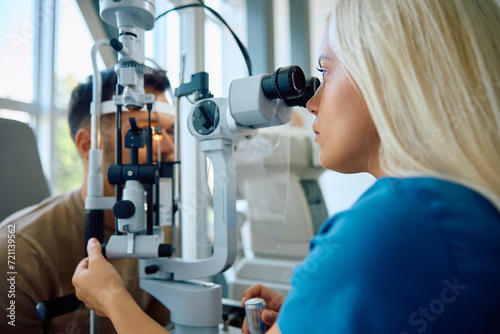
<point>82,142</point>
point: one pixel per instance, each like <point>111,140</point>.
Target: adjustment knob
<point>205,117</point>
<point>123,209</point>
<point>116,44</point>
<point>165,250</point>
<point>151,269</point>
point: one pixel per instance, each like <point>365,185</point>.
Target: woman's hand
<point>101,288</point>
<point>97,282</point>
<point>273,304</point>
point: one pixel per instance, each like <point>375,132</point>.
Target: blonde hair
<point>430,74</point>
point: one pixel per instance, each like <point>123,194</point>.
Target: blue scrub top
<point>416,255</point>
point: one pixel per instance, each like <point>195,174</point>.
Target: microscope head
<point>132,18</point>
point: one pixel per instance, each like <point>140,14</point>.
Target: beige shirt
<point>49,243</point>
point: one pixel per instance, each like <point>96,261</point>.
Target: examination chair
<point>21,175</point>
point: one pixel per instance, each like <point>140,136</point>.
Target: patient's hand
<point>273,304</point>
<point>97,282</point>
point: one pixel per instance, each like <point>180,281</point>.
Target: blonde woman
<point>410,94</point>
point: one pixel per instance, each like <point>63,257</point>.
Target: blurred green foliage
<point>67,165</point>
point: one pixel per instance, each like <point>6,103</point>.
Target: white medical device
<point>219,124</point>
<point>273,244</point>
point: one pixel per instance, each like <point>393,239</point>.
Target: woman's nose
<point>313,104</point>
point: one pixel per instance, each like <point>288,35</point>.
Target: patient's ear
<point>82,142</point>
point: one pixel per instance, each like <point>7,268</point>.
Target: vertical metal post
<point>193,171</point>
<point>260,35</point>
<point>299,30</point>
<point>44,78</point>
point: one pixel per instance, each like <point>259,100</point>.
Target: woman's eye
<point>321,70</point>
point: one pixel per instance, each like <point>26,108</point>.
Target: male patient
<point>49,236</point>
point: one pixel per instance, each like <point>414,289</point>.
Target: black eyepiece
<point>285,83</point>
<point>312,85</point>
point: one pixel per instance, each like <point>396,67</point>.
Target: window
<point>213,48</point>
<point>44,53</point>
<point>162,44</point>
<point>40,36</point>
<point>213,55</point>
<point>72,64</point>
<point>223,59</point>
<point>72,51</point>
<point>17,45</point>
<point>20,116</point>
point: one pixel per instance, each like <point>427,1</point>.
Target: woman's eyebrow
<point>329,58</point>
<point>323,57</point>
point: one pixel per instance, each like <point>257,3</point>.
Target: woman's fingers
<point>94,250</point>
<point>269,317</point>
<point>273,300</point>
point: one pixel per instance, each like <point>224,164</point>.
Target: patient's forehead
<point>161,119</point>
<point>141,117</point>
<point>159,95</point>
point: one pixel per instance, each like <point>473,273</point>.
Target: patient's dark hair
<point>79,105</point>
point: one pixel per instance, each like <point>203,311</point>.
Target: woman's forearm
<point>128,317</point>
<point>100,287</point>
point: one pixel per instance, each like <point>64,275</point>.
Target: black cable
<point>178,8</point>
<point>190,101</point>
<point>243,49</point>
